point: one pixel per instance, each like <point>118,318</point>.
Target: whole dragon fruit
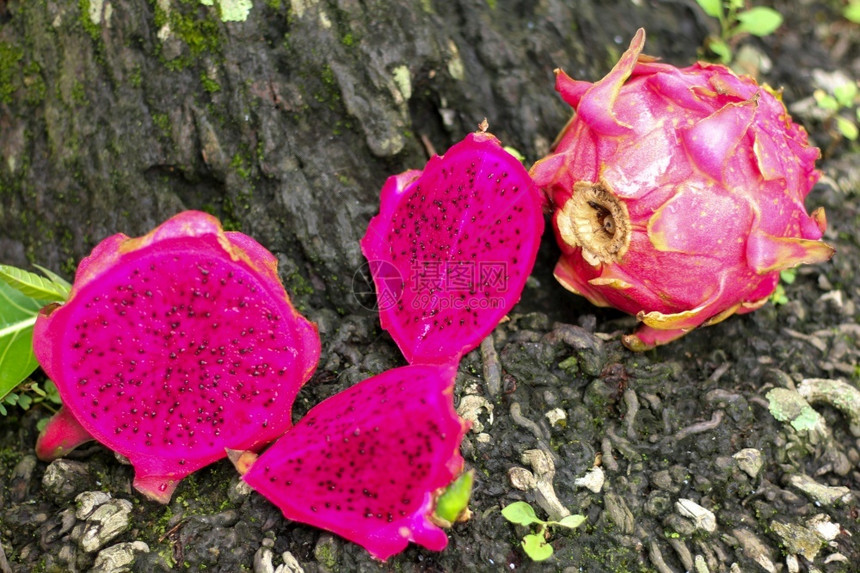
<point>370,462</point>
<point>452,247</point>
<point>678,194</point>
<point>172,347</point>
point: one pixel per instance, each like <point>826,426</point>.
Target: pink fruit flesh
<point>366,462</point>
<point>678,194</point>
<point>172,347</point>
<point>452,247</point>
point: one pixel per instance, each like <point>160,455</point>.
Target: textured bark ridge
<point>115,115</point>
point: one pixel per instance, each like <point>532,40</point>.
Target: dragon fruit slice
<point>452,247</point>
<point>678,194</point>
<point>369,462</point>
<point>171,347</point>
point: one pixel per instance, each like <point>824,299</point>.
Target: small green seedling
<point>786,276</point>
<point>535,544</point>
<point>22,295</point>
<point>736,20</point>
<point>29,393</point>
<point>842,108</point>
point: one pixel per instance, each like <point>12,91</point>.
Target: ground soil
<point>676,423</point>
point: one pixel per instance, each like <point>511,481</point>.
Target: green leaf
<point>713,8</point>
<point>778,295</point>
<point>536,547</point>
<point>788,276</point>
<point>25,401</point>
<point>53,395</point>
<point>17,317</point>
<point>847,128</point>
<point>33,285</point>
<point>520,512</point>
<point>825,101</point>
<point>721,49</point>
<point>54,277</point>
<point>852,12</point>
<point>40,425</point>
<point>758,21</point>
<point>845,94</point>
<point>571,521</point>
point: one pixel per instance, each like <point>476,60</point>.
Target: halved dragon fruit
<point>452,247</point>
<point>678,194</point>
<point>172,347</point>
<point>369,463</point>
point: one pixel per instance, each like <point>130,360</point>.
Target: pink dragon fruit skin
<point>678,194</point>
<point>368,462</point>
<point>462,235</point>
<point>171,347</point>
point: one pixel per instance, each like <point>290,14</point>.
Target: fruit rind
<point>712,174</point>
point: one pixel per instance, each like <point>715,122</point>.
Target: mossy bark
<point>116,114</point>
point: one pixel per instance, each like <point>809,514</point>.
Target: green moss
<point>160,17</point>
<point>9,458</point>
<point>229,220</point>
<point>341,126</point>
<point>570,365</point>
<point>298,284</point>
<point>163,521</point>
<point>328,93</point>
<point>136,77</point>
<point>86,22</point>
<point>34,84</point>
<point>200,35</point>
<point>162,122</point>
<point>326,557</point>
<point>209,84</point>
<point>79,94</point>
<point>10,55</point>
<point>241,164</point>
<point>261,153</point>
<point>343,22</point>
<point>192,25</point>
<point>327,77</point>
<point>613,558</point>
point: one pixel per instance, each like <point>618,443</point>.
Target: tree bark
<point>116,114</point>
